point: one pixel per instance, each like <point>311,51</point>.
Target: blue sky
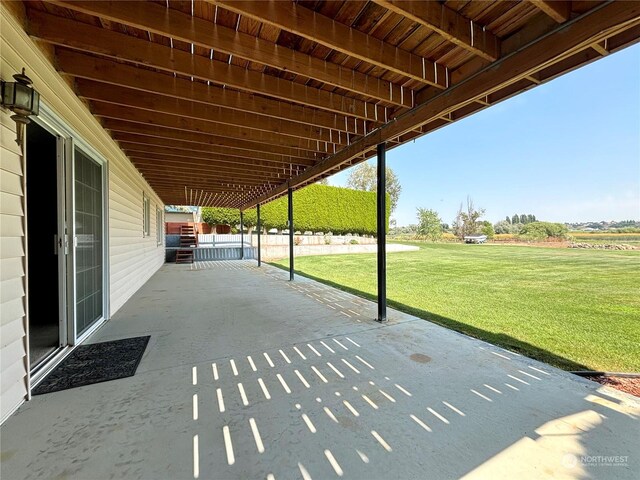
<point>565,151</point>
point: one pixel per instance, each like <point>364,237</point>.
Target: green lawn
<point>575,309</point>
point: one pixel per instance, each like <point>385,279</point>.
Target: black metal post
<point>381,215</point>
<point>290,199</point>
<point>241,236</point>
<point>259,227</point>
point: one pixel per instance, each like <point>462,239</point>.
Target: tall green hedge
<point>318,208</point>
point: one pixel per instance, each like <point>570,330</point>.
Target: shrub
<point>353,241</point>
<point>543,230</point>
<point>315,208</point>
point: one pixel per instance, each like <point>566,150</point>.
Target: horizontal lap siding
<point>13,340</point>
<point>132,258</point>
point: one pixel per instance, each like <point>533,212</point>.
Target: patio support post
<point>290,208</point>
<point>241,235</point>
<point>259,227</point>
<point>381,214</point>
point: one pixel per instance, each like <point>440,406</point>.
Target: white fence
<point>213,240</point>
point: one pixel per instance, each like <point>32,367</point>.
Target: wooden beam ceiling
<point>218,115</point>
<point>323,108</point>
<point>233,104</point>
<point>119,112</point>
<point>449,24</point>
<point>199,159</point>
<point>176,146</point>
<point>566,40</point>
<point>209,138</point>
<point>171,23</point>
<point>316,27</point>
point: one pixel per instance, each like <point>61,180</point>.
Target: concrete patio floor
<point>249,376</point>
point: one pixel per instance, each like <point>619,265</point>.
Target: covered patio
<point>248,375</point>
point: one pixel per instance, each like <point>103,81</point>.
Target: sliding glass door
<point>89,245</point>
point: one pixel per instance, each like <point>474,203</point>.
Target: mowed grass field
<point>575,309</point>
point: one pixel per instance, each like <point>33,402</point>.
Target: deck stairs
<point>188,241</point>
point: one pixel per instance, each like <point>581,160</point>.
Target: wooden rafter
<point>342,38</point>
<point>206,159</point>
<point>327,109</point>
<point>449,24</point>
<point>171,146</point>
<point>169,133</point>
<point>218,115</point>
<point>119,112</point>
<point>150,161</point>
<point>559,10</point>
<point>180,26</point>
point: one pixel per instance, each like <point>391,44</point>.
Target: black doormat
<point>95,363</point>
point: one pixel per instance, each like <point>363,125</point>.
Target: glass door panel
<point>89,244</point>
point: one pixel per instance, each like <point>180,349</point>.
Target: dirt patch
<point>625,384</point>
<point>420,358</point>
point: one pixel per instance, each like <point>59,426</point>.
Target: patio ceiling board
<point>245,87</point>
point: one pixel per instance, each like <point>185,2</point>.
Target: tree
<point>523,218</point>
<point>466,222</point>
<point>363,177</point>
<point>515,220</point>
<point>429,224</point>
<point>507,219</point>
<point>487,229</point>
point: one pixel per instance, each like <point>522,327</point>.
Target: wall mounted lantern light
<point>22,100</point>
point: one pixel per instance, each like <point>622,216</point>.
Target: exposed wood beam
<point>179,147</point>
<point>219,115</point>
<point>180,26</point>
<point>342,38</point>
<point>179,176</point>
<point>566,40</point>
<point>169,133</point>
<point>449,24</point>
<point>601,48</point>
<point>149,162</point>
<point>89,39</point>
<point>559,10</point>
<point>118,112</point>
<point>208,160</point>
<point>221,189</point>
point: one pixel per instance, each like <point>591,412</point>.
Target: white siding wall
<point>133,258</point>
<point>13,346</point>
